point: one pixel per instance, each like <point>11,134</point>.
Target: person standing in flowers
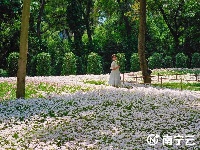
<point>114,79</point>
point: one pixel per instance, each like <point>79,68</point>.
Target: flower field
<point>83,112</point>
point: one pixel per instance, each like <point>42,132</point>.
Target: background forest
<point>79,36</point>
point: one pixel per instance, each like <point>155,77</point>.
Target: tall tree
<point>124,7</point>
<point>76,24</point>
<point>141,42</point>
<point>88,21</point>
<point>173,21</point>
<point>9,29</point>
<point>39,19</point>
<point>21,73</point>
<point>124,20</point>
<point>181,19</point>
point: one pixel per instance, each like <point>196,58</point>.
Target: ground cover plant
<point>78,112</point>
<point>37,90</point>
<point>173,71</point>
<point>184,86</point>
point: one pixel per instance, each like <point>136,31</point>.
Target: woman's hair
<point>113,55</point>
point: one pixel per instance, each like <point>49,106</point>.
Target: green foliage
<point>57,65</point>
<point>168,62</point>
<point>121,62</point>
<point>135,63</point>
<point>157,34</point>
<point>175,23</point>
<point>43,65</point>
<point>76,23</point>
<point>155,61</point>
<point>7,90</point>
<point>181,60</point>
<point>81,65</point>
<point>110,30</point>
<point>12,62</point>
<point>37,90</point>
<point>195,63</point>
<point>32,63</point>
<point>100,82</point>
<point>173,71</point>
<point>69,64</point>
<point>10,17</point>
<point>3,73</point>
<point>185,86</point>
<point>94,64</point>
<point>99,38</point>
<point>57,49</point>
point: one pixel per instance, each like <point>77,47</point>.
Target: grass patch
<point>185,86</point>
<point>38,90</point>
<point>7,90</point>
<point>99,82</point>
<point>176,71</point>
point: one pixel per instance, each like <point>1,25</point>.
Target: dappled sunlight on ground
<point>101,117</point>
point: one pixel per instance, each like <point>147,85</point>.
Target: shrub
<point>121,62</point>
<point>181,60</point>
<point>135,63</point>
<point>195,63</point>
<point>155,61</point>
<point>3,73</point>
<point>43,64</point>
<point>94,64</point>
<point>168,62</point>
<point>32,63</point>
<point>81,65</point>
<point>57,46</point>
<point>13,63</point>
<point>57,65</point>
<point>69,64</point>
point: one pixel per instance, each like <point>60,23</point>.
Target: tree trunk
<point>78,43</point>
<point>141,42</point>
<point>173,28</point>
<point>21,73</point>
<point>39,19</point>
<point>87,23</point>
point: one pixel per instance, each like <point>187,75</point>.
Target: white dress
<point>114,79</point>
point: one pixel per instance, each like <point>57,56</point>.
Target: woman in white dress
<point>114,79</point>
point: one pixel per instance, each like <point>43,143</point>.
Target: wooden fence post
<point>196,75</point>
<point>181,84</point>
<point>123,78</point>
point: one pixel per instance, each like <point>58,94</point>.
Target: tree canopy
<point>104,27</point>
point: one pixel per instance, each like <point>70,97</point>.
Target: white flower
<point>103,117</point>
